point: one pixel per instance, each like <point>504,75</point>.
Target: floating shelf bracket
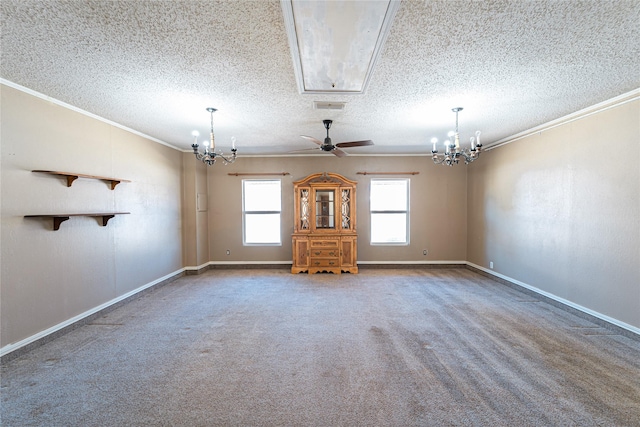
<point>60,218</point>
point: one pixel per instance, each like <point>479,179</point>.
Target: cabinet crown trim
<point>325,178</point>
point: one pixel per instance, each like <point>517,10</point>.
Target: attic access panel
<point>335,44</point>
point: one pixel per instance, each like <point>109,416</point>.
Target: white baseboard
<point>198,268</point>
<point>359,263</point>
<point>14,346</point>
<point>411,262</point>
<point>250,262</point>
<point>568,303</point>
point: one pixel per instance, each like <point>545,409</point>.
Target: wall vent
<point>328,105</point>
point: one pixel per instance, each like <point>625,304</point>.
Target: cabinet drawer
<point>324,262</point>
<point>324,253</point>
<point>324,243</point>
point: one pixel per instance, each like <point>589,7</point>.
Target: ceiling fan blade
<point>355,143</point>
<point>312,139</point>
<point>329,147</point>
<point>338,152</point>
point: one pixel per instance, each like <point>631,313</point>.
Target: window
<point>261,212</point>
<point>389,211</point>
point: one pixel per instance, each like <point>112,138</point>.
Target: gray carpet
<point>381,348</point>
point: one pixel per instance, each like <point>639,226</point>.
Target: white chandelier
<point>209,156</point>
<point>452,150</point>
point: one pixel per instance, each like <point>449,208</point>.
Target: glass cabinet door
<point>325,209</point>
<point>345,209</point>
<point>304,210</point>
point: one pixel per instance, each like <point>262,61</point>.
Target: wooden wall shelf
<point>70,176</point>
<point>60,218</point>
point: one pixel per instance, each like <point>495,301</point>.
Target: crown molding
<point>594,109</point>
<point>83,112</point>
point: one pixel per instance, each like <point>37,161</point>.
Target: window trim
<point>245,212</point>
<point>406,212</point>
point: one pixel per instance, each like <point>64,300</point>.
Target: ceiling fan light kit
<point>209,156</point>
<point>452,150</point>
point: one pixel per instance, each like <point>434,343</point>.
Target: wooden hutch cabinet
<point>324,233</point>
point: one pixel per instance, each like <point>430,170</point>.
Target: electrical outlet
<point>228,252</point>
<point>424,252</point>
<point>491,265</point>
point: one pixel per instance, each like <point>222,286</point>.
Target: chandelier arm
<point>228,160</point>
<point>470,155</point>
<point>437,160</point>
<point>445,159</point>
<point>453,151</point>
<point>207,160</point>
<point>209,156</point>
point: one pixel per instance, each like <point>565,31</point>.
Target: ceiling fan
<point>328,146</point>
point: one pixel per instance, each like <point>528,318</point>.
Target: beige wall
<point>48,277</point>
<point>559,211</point>
<point>438,207</point>
<point>195,235</point>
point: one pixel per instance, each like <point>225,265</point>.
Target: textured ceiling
<point>154,66</point>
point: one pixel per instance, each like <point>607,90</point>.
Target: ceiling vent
<point>328,105</point>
